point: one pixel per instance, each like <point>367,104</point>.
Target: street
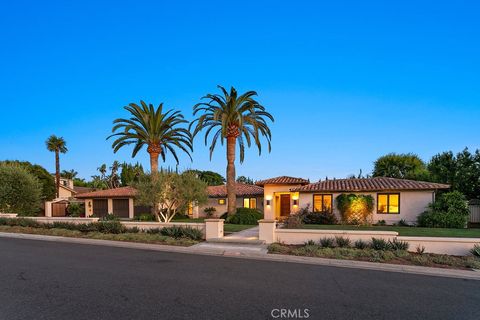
<point>46,280</point>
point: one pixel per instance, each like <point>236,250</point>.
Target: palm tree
<point>57,145</point>
<point>103,171</point>
<point>160,132</point>
<point>70,174</point>
<point>232,117</point>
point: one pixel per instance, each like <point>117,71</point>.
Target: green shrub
<point>398,245</point>
<point>110,217</point>
<point>324,217</point>
<point>327,242</point>
<point>210,211</point>
<point>75,209</point>
<point>380,244</point>
<point>403,223</point>
<point>360,244</point>
<point>343,242</point>
<point>26,223</point>
<point>20,191</point>
<point>133,230</point>
<point>355,208</point>
<point>145,217</point>
<point>293,221</point>
<point>450,210</point>
<point>381,223</point>
<point>154,231</point>
<point>309,243</point>
<point>181,232</point>
<point>111,226</point>
<point>476,250</point>
<point>245,216</point>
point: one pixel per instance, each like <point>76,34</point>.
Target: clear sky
<point>346,81</point>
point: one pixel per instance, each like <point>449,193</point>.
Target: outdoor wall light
<point>295,202</point>
<point>268,202</point>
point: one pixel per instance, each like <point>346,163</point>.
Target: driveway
<point>46,280</point>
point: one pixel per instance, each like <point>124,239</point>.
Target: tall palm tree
<point>159,131</point>
<point>57,145</point>
<point>232,117</point>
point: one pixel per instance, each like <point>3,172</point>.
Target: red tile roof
<point>369,184</point>
<point>282,180</point>
<point>124,192</point>
<point>80,190</point>
<point>241,189</point>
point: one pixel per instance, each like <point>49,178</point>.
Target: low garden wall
<point>442,245</point>
<point>8,215</point>
<point>269,233</point>
<point>63,219</point>
<point>145,225</point>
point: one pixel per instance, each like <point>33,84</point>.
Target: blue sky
<point>346,81</point>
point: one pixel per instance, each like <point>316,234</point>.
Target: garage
<point>100,207</point>
<point>121,208</point>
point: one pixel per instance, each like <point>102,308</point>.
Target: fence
<point>474,213</point>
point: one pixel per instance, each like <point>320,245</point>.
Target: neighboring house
<point>67,190</point>
<point>119,201</point>
<point>395,199</point>
<point>248,196</point>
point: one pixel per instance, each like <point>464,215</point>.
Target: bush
<point>398,245</point>
<point>293,221</point>
<point>145,217</point>
<point>450,210</point>
<point>110,217</point>
<point>343,242</point>
<point>327,242</point>
<point>109,227</point>
<point>245,216</point>
<point>380,244</point>
<point>476,250</point>
<point>360,244</point>
<point>210,211</point>
<point>381,223</point>
<point>403,223</point>
<point>75,209</point>
<point>20,191</point>
<point>133,230</point>
<point>323,217</point>
<point>309,243</point>
<point>181,232</point>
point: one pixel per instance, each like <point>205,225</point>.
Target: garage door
<point>120,208</point>
<point>100,207</point>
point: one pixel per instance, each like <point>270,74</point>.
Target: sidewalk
<point>242,252</point>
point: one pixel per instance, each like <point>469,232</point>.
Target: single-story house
<point>119,201</point>
<point>248,196</point>
<point>395,199</point>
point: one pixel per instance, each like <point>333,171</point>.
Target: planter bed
<point>384,256</point>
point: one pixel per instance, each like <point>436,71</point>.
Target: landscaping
<point>104,230</point>
<point>378,250</point>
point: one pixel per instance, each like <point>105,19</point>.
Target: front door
<point>284,205</point>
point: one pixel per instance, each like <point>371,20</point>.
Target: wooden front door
<point>284,205</point>
<point>59,209</point>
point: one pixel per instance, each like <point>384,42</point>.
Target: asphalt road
<point>45,280</point>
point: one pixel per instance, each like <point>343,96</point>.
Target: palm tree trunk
<point>154,171</point>
<point>57,171</point>
<point>231,195</point>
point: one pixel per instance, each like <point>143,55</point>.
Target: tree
<point>160,132</point>
<point>130,173</point>
<point>401,166</point>
<point>20,191</point>
<point>169,192</point>
<point>209,177</point>
<point>43,176</point>
<point>232,118</point>
<point>114,180</point>
<point>461,171</point>
<point>246,180</point>
<point>57,145</point>
<point>71,174</point>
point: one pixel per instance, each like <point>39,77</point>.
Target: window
<point>190,209</point>
<point>388,203</point>
<point>250,203</point>
<point>221,201</point>
<point>322,202</point>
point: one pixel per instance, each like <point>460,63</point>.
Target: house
<point>248,196</point>
<point>395,199</point>
<point>119,201</point>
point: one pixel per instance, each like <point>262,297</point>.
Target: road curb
<point>236,253</point>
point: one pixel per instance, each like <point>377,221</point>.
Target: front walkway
<point>248,234</point>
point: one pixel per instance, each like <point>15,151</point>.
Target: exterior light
<point>295,202</point>
<point>268,202</point>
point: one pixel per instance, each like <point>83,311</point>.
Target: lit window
<point>388,203</point>
<point>250,203</point>
<point>190,208</point>
<point>221,201</point>
<point>322,202</point>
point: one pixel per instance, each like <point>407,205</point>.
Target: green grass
<point>405,231</point>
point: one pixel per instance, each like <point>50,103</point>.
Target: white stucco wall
<point>269,194</point>
<point>412,203</point>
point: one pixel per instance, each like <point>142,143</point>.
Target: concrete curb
<point>237,253</point>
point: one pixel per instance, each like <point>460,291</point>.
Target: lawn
<point>405,231</point>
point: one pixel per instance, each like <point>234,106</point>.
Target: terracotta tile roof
<point>282,180</point>
<point>80,190</point>
<point>124,192</point>
<point>369,184</point>
<point>241,190</point>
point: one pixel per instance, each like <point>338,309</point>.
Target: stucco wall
<point>64,193</point>
<point>412,203</point>
<point>269,194</point>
